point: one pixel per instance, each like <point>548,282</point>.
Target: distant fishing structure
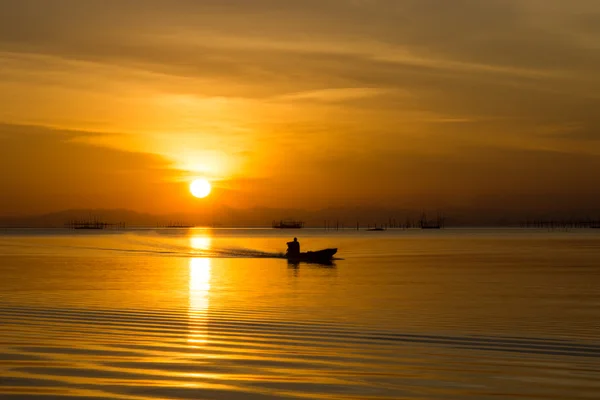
<point>93,223</point>
<point>392,223</point>
<point>438,223</point>
<point>178,225</point>
<point>288,224</point>
<point>551,224</point>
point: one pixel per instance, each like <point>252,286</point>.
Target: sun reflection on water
<point>199,291</point>
<point>200,244</point>
<point>200,276</point>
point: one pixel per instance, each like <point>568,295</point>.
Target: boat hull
<point>319,256</point>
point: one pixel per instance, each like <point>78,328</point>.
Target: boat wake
<point>212,253</point>
<point>148,249</point>
<point>235,253</point>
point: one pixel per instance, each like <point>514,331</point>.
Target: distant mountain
<point>263,217</point>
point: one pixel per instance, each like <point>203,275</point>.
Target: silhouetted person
<point>293,248</point>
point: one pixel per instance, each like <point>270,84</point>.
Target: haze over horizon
<point>409,104</point>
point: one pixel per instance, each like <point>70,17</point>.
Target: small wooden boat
<point>318,256</point>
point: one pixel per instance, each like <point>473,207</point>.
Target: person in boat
<point>293,249</point>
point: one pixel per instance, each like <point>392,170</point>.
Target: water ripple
<point>140,353</point>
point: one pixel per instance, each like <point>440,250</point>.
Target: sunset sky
<point>299,104</point>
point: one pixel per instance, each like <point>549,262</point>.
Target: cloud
<point>350,94</point>
<point>267,48</point>
<point>466,35</point>
<point>333,95</point>
<point>47,169</point>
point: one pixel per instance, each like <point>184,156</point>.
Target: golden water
<point>215,314</point>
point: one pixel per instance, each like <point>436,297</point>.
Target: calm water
<point>215,314</point>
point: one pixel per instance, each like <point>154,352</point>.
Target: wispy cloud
<point>335,95</point>
<point>238,89</point>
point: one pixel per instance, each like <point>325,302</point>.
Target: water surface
<point>218,314</point>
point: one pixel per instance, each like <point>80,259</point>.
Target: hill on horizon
<point>263,217</point>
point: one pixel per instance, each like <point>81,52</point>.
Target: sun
<point>200,188</point>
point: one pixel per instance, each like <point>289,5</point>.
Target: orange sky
<point>307,104</point>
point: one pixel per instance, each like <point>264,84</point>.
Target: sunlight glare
<point>200,188</point>
<point>199,290</point>
<point>200,276</point>
<point>202,243</point>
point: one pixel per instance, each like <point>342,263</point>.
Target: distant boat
<point>90,227</point>
<point>375,229</point>
<point>288,224</point>
<point>319,256</point>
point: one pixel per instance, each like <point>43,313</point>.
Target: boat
<point>288,224</point>
<point>90,227</point>
<point>319,256</point>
